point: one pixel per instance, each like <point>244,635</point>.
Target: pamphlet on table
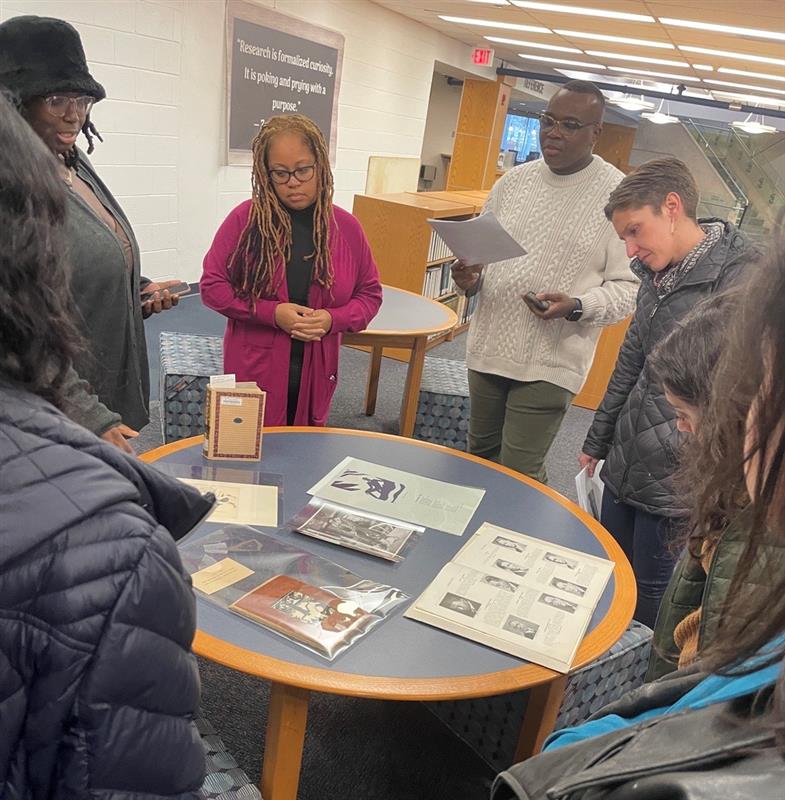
<point>480,240</point>
<point>240,503</point>
<point>523,596</point>
<point>400,495</point>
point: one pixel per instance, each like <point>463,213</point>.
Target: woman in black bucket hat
<point>43,67</point>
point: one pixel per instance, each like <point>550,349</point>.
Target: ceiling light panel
<point>487,23</point>
<point>599,37</point>
<point>766,76</point>
<point>491,2</point>
<point>703,67</point>
<point>744,86</point>
<point>583,10</point>
<point>643,59</point>
<point>655,74</point>
<point>731,29</point>
<point>730,54</point>
<point>561,61</point>
<point>534,45</point>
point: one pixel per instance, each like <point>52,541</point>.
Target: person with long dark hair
<point>718,728</point>
<point>98,684</point>
<point>43,65</point>
<point>681,260</point>
<point>291,272</point>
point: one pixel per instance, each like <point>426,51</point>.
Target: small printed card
<point>218,576</point>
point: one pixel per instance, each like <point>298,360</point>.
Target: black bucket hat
<point>41,56</point>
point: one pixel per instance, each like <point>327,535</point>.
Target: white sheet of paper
<point>240,503</point>
<point>480,240</point>
<point>590,490</point>
<point>400,495</point>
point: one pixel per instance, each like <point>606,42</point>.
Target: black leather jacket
<point>721,752</point>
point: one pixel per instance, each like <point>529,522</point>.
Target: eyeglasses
<point>59,104</point>
<point>567,126</point>
<point>301,174</point>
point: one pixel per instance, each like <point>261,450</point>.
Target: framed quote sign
<point>278,64</point>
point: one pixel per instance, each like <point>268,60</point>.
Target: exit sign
<point>482,56</point>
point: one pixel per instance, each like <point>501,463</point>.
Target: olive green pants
<point>514,422</point>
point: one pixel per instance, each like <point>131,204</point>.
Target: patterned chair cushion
<point>187,362</point>
<point>443,409</point>
<point>224,780</point>
<point>490,725</point>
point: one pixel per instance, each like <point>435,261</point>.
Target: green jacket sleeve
<point>84,408</point>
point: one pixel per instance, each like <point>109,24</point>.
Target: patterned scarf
<point>666,281</point>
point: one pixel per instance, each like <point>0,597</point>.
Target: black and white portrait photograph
<point>561,560</point>
<point>454,602</point>
<point>503,541</point>
<point>557,602</point>
<point>511,566</point>
<point>568,586</point>
<point>500,583</point>
<point>521,627</point>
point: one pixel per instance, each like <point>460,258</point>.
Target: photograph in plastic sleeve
<point>369,533</point>
<point>309,600</point>
<point>242,497</point>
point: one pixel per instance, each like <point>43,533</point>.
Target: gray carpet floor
<point>358,748</point>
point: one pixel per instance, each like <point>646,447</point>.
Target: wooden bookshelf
<point>400,238</point>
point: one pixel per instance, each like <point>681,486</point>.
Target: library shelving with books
<point>409,254</point>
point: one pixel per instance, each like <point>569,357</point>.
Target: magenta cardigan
<point>255,349</point>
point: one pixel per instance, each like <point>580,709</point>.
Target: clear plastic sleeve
<point>369,533</point>
<point>307,599</point>
<point>242,497</point>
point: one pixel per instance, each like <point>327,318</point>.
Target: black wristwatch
<point>576,313</point>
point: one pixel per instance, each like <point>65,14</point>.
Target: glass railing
<point>746,171</point>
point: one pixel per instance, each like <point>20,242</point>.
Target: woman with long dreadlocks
<point>291,272</point>
<point>43,66</point>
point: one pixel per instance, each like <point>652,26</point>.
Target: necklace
<point>69,176</point>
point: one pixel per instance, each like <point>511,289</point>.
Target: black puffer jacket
<point>634,429</point>
<point>98,686</point>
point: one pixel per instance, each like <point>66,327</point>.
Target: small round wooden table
<point>405,320</point>
<point>402,659</point>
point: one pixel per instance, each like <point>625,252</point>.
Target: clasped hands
<point>303,323</point>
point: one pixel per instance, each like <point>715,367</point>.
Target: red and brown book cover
<point>311,615</point>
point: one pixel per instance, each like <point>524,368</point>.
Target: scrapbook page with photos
<point>310,600</point>
<point>521,595</point>
<point>400,495</point>
<point>347,527</point>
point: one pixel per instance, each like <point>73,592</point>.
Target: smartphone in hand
<point>178,288</point>
<point>533,301</point>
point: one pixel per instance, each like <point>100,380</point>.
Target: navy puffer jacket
<point>98,685</point>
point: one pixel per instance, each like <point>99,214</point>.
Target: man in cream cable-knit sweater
<point>526,364</point>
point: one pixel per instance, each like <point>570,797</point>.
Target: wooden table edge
<point>597,642</point>
<point>449,324</point>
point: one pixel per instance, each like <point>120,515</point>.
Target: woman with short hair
<point>291,272</point>
<point>680,260</point>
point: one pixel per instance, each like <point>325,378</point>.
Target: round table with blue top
<point>401,659</point>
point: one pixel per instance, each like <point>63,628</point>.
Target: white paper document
<point>480,240</point>
<point>523,596</point>
<point>590,490</point>
<point>240,503</point>
<point>400,495</point>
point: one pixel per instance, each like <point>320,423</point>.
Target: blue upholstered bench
<point>224,779</point>
<point>443,409</point>
<point>491,725</point>
<point>187,362</point>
